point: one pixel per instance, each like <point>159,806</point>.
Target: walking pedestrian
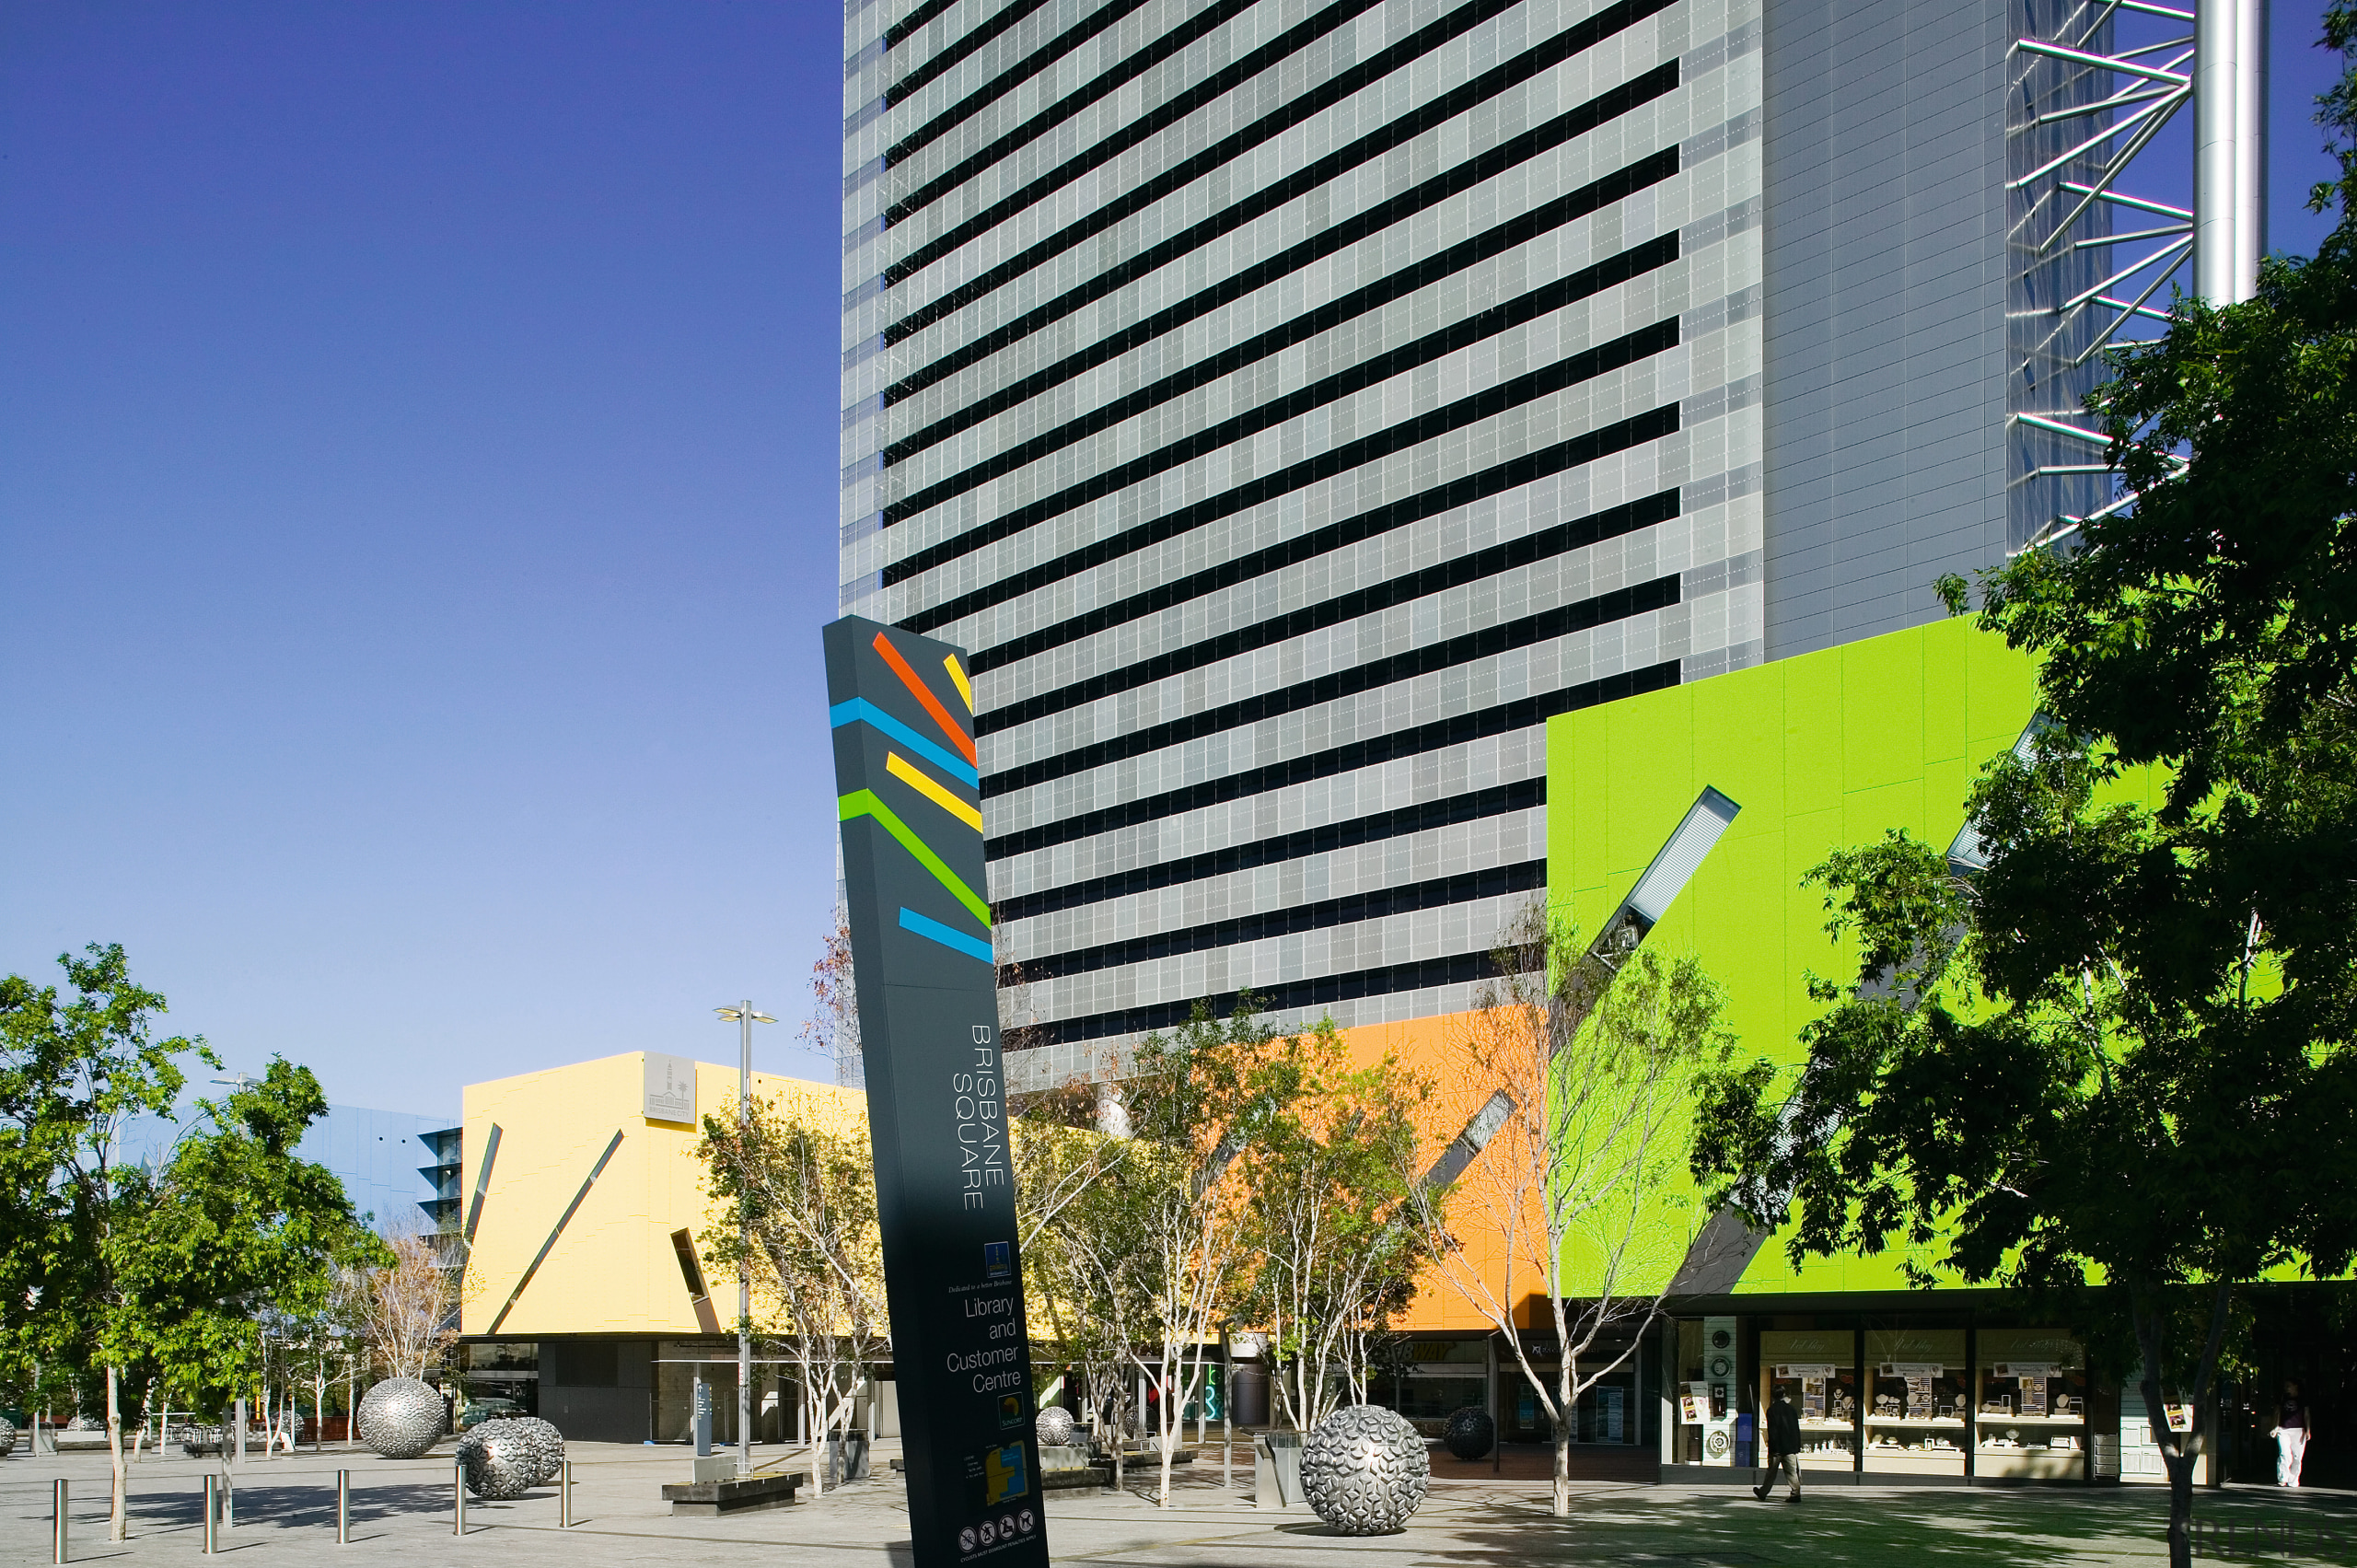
<point>2292,1430</point>
<point>1784,1449</point>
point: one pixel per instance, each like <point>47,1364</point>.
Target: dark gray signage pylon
<point>910,799</point>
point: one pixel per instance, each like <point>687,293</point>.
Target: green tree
<point>797,1207</point>
<point>1326,1216</point>
<point>73,1069</point>
<point>2121,1051</point>
<point>1578,1064</point>
<point>147,1269</point>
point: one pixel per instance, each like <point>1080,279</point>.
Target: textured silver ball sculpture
<point>401,1418</point>
<point>498,1461</point>
<point>546,1441</point>
<point>7,1439</point>
<point>1364,1470</point>
<point>1469,1433</point>
<point>1054,1427</point>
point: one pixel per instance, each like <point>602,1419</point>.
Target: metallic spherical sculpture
<point>1469,1433</point>
<point>1054,1427</point>
<point>499,1461</point>
<point>7,1439</point>
<point>1364,1470</point>
<point>546,1441</point>
<point>401,1418</point>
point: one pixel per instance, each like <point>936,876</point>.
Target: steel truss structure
<point>2089,254</point>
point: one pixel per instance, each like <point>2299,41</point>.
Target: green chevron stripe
<point>863,803</point>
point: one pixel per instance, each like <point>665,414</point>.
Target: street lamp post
<point>745,1019</point>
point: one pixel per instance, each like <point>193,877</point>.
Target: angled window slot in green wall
<point>1967,855</point>
<point>1674,865</point>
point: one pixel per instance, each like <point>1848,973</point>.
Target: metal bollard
<point>458,1495</point>
<point>60,1548</point>
<point>212,1515</point>
<point>343,1507</point>
<point>564,1495</point>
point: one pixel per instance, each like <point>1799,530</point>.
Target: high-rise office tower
<point>1290,406</point>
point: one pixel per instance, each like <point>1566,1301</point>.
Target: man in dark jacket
<point>1783,1450</point>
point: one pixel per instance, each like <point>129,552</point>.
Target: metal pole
<point>212,1514</point>
<point>236,1455</point>
<point>564,1495</point>
<point>60,1548</point>
<point>343,1507</point>
<point>744,1270</point>
<point>1226,1412</point>
<point>459,1498</point>
<point>2219,79</point>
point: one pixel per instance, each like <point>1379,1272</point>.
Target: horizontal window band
<point>967,42</point>
<point>1573,40</point>
<point>1370,371</point>
<point>1482,246</point>
<point>1512,474</point>
<point>1425,816</point>
<point>1377,903</point>
<point>1333,90</point>
<point>1563,454</point>
<point>899,32</point>
<point>1498,719</point>
<point>1194,28</point>
<point>1006,81</point>
<point>1328,239</point>
<point>1562,621</point>
<point>1569,371</point>
<point>1408,587</point>
<point>1460,969</point>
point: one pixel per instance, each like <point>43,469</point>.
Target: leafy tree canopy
<point>2121,1052</point>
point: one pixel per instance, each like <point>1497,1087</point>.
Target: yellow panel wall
<point>613,1270</point>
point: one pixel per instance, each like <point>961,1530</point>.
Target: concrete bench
<point>750,1493</point>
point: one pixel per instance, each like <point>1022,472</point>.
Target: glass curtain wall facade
<point>1291,407</point>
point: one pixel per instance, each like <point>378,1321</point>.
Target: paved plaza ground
<point>286,1517</point>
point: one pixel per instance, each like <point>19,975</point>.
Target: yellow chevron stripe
<point>957,676</point>
<point>932,789</point>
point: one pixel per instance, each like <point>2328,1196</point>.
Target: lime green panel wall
<point>1819,751</point>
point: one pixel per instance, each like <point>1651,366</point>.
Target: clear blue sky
<point>417,510</point>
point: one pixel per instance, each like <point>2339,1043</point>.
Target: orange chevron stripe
<point>957,738</point>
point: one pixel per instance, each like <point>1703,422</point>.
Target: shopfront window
<point>1917,1382</point>
<point>2032,1401</point>
<point>1816,1369</point>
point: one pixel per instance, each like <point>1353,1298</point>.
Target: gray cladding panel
<point>1885,165</point>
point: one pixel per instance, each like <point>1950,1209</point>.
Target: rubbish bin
<point>1276,1470</point>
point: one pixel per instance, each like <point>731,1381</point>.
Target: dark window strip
<point>1064,109</point>
<point>1467,253</point>
<point>1562,621</point>
<point>1573,40</point>
<point>1372,370</point>
<point>1521,714</point>
<point>1006,81</point>
<point>1176,176</point>
<point>1570,454</point>
<point>900,31</point>
<point>1574,534</point>
<point>1375,904</point>
<point>1324,992</point>
<point>1423,817</point>
<point>1015,12</point>
<point>1568,371</point>
<point>1609,523</point>
<point>1320,244</point>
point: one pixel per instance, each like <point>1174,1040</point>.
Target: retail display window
<point>2031,1403</point>
<point>1916,1420</point>
<point>1817,1370</point>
